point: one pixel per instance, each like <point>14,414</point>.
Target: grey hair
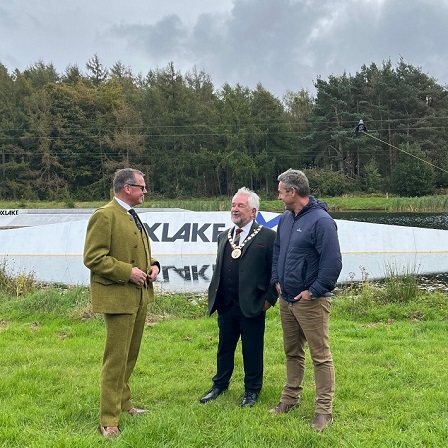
<point>295,179</point>
<point>253,199</point>
<point>125,176</point>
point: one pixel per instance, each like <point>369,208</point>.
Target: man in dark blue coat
<point>240,291</point>
<point>306,265</point>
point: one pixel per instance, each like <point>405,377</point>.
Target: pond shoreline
<point>353,203</point>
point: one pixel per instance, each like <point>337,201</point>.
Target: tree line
<point>64,135</point>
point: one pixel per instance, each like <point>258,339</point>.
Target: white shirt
<point>245,232</point>
<point>123,204</point>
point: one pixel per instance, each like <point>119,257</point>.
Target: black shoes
<point>211,395</point>
<point>249,399</point>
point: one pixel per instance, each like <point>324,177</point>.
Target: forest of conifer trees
<point>62,135</point>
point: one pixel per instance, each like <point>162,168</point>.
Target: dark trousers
<point>232,324</point>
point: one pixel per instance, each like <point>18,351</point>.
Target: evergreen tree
<point>97,72</point>
<point>411,176</point>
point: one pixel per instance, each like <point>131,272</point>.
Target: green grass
<point>436,203</point>
<point>391,375</point>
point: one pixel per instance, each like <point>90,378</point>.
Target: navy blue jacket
<point>306,252</point>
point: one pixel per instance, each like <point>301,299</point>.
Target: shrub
<point>328,183</point>
<point>400,288</point>
<point>17,285</point>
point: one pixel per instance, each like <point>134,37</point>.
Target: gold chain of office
<point>236,252</point>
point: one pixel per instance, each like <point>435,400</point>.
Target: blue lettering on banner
<point>217,229</point>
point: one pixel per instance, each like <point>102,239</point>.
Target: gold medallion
<point>236,253</point>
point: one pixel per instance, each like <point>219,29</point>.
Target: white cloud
<point>284,44</point>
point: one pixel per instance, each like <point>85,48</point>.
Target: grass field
<point>390,358</point>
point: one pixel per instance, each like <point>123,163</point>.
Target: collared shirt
<point>245,233</point>
<point>123,204</point>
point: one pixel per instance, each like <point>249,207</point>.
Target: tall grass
<point>397,296</point>
<point>16,283</point>
<point>436,203</point>
<point>400,286</point>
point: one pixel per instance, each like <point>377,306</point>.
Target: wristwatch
<point>310,294</point>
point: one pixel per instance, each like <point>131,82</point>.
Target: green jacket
<point>112,247</point>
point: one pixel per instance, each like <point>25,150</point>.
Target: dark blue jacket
<point>306,252</point>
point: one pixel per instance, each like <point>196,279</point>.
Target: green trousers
<point>123,337</point>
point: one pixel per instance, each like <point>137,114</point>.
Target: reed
<point>400,285</point>
<point>436,203</point>
<point>16,283</point>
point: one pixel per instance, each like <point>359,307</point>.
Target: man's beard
<point>236,219</point>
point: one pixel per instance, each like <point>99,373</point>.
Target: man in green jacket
<point>122,271</point>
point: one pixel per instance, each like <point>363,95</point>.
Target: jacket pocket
<point>103,280</point>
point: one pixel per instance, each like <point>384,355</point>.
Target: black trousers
<point>232,325</point>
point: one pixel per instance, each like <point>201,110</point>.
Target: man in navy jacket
<point>306,265</point>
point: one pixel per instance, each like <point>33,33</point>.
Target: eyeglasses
<point>142,187</point>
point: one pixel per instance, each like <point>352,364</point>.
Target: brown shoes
<point>321,421</point>
<point>110,432</point>
<point>136,411</point>
<point>282,408</point>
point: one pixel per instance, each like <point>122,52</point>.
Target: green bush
<point>328,183</point>
<point>411,176</point>
<point>178,305</point>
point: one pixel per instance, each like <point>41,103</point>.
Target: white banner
<point>185,243</point>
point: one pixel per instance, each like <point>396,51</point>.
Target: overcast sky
<point>284,44</point>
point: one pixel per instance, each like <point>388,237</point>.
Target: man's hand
<point>266,305</point>
<point>305,295</point>
<point>152,276</point>
<point>278,288</point>
<point>138,276</point>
